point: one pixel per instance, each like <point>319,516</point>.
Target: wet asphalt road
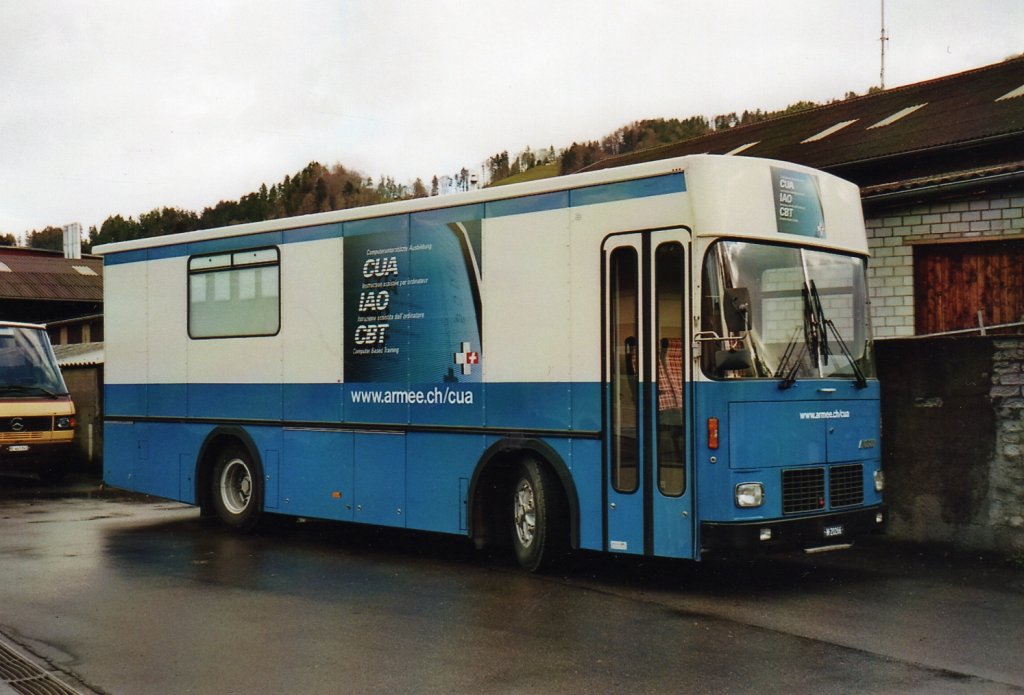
<point>121,594</point>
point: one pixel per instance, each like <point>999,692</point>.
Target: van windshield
<point>27,365</point>
<point>801,313</point>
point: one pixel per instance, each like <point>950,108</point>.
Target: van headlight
<point>64,422</point>
<point>879,481</point>
<point>749,495</point>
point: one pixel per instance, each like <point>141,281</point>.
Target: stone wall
<point>893,231</point>
<point>953,440</point>
<point>1006,492</point>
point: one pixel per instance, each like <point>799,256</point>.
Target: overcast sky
<point>122,106</point>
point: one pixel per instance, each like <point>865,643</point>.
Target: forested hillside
<point>314,189</point>
<point>318,188</point>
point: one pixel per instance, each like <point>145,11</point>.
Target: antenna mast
<point>883,39</point>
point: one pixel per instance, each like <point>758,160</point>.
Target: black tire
<point>236,488</point>
<point>539,536</point>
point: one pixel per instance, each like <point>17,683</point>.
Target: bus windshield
<point>27,365</point>
<point>783,312</point>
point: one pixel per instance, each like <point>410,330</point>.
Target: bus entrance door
<point>648,507</point>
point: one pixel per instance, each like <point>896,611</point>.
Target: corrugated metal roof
<point>79,354</point>
<point>969,108</point>
<point>35,274</point>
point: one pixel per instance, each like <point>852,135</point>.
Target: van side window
<point>234,294</point>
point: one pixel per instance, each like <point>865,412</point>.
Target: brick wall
<point>892,232</point>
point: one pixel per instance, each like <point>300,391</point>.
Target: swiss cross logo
<point>467,359</point>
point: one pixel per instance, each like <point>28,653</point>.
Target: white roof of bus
<point>693,163</point>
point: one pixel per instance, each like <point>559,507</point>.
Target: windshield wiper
<point>22,388</point>
<point>859,377</point>
<point>814,316</point>
<point>812,331</point>
<point>788,373</point>
<point>823,324</point>
<point>815,337</point>
<point>816,328</point>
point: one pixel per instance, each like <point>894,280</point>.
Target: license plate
<point>18,447</point>
<point>833,531</point>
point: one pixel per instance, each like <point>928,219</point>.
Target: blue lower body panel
<point>415,479</point>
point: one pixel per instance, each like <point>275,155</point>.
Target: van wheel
<point>538,518</point>
<point>237,490</point>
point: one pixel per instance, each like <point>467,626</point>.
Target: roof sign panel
<point>1013,94</point>
<point>829,131</point>
<point>902,113</point>
<point>743,148</point>
<point>798,208</point>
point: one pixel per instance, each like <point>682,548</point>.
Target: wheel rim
<point>236,486</point>
<point>525,513</point>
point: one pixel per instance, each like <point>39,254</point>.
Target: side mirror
<point>737,309</point>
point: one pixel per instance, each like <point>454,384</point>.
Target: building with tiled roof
<point>41,286</point>
<point>978,116</point>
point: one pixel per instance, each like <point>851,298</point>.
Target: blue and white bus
<point>666,359</point>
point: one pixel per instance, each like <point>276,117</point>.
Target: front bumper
<point>835,528</point>
<point>34,456</point>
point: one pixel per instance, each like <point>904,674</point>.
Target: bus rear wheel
<point>236,489</point>
<point>538,528</point>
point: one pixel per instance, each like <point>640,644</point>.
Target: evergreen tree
<point>51,238</point>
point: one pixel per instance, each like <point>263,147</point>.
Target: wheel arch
<point>216,440</point>
<point>492,474</point>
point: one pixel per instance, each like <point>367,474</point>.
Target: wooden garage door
<point>952,282</point>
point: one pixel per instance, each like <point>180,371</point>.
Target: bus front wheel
<point>236,492</point>
<point>538,528</point>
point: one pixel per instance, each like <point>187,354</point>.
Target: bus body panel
<point>818,425</point>
<point>723,188</point>
<point>383,351</point>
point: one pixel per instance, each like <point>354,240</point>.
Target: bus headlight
<point>749,495</point>
<point>879,481</point>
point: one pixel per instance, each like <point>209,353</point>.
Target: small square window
<point>234,295</point>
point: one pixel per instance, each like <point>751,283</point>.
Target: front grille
<point>22,436</point>
<point>36,423</point>
<point>846,485</point>
<point>803,490</point>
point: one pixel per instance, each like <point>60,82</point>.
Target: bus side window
<point>234,294</point>
<point>710,311</point>
<point>625,327</point>
<point>669,306</point>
